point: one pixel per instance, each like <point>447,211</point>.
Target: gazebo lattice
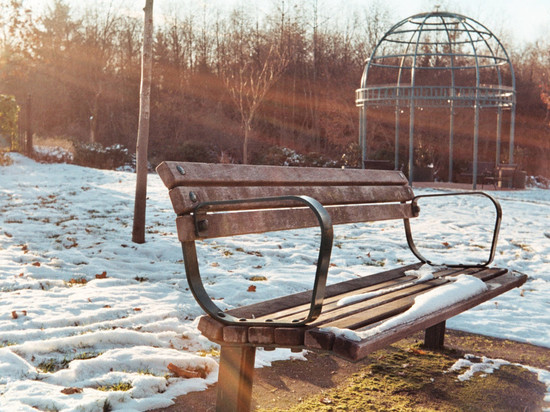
<point>435,60</point>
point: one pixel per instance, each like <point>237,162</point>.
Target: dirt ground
<point>288,384</point>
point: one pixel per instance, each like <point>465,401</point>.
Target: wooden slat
<point>186,198</point>
<point>205,174</point>
<point>261,335</point>
<point>498,280</point>
<point>372,310</point>
<point>260,221</point>
<point>289,336</point>
<point>235,334</point>
<point>330,303</point>
<point>211,328</point>
<point>297,304</point>
<point>283,303</point>
<point>317,339</point>
<point>355,350</point>
<point>332,313</point>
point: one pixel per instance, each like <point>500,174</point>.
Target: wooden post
<point>138,229</point>
<point>235,378</point>
<point>434,337</point>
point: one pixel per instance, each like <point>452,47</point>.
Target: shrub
<point>9,112</point>
<point>352,156</point>
<point>45,154</point>
<point>283,156</point>
<point>193,151</point>
<point>277,156</point>
<point>314,159</point>
<point>5,159</point>
<point>100,157</point>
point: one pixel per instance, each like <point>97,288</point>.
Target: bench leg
<point>235,378</point>
<point>435,336</point>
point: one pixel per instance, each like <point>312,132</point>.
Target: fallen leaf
<point>185,373</point>
<point>418,351</point>
<point>37,264</point>
<point>252,288</point>
<point>14,314</point>
<point>70,391</point>
<point>102,275</point>
<point>137,309</point>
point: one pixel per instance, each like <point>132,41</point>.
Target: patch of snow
<point>484,366</point>
<point>82,306</point>
<point>423,274</point>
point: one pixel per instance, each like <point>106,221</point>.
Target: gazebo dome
<point>438,59</point>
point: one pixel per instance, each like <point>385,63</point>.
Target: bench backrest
<point>349,195</point>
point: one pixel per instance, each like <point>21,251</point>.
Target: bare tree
<point>100,30</point>
<point>253,67</point>
<point>138,232</point>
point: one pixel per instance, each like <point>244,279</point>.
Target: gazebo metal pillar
<point>363,134</point>
<point>451,140</point>
<point>512,131</point>
<point>476,142</point>
<point>499,135</point>
<point>411,141</point>
<point>397,121</point>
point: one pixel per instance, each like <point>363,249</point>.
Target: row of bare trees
<point>237,80</point>
<point>83,70</point>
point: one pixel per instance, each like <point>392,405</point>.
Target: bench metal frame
<point>325,247</point>
<point>414,249</point>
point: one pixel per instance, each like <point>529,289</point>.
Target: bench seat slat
<point>341,195</point>
<point>355,350</point>
<point>497,280</point>
<point>205,174</point>
<point>276,305</point>
<point>330,303</point>
<point>332,311</point>
<point>370,310</point>
<point>260,221</point>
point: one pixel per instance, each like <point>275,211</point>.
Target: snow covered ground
<point>84,311</point>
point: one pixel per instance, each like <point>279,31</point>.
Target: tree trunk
<point>247,128</point>
<point>138,231</point>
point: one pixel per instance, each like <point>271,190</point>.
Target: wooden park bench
<point>217,200</point>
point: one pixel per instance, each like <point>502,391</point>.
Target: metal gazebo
<point>439,60</point>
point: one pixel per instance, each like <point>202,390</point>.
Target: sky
<point>526,21</point>
<point>81,306</point>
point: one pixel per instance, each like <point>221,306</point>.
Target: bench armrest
<point>416,209</point>
<point>318,292</point>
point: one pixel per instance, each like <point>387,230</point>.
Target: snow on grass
<point>87,312</point>
<point>484,366</point>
